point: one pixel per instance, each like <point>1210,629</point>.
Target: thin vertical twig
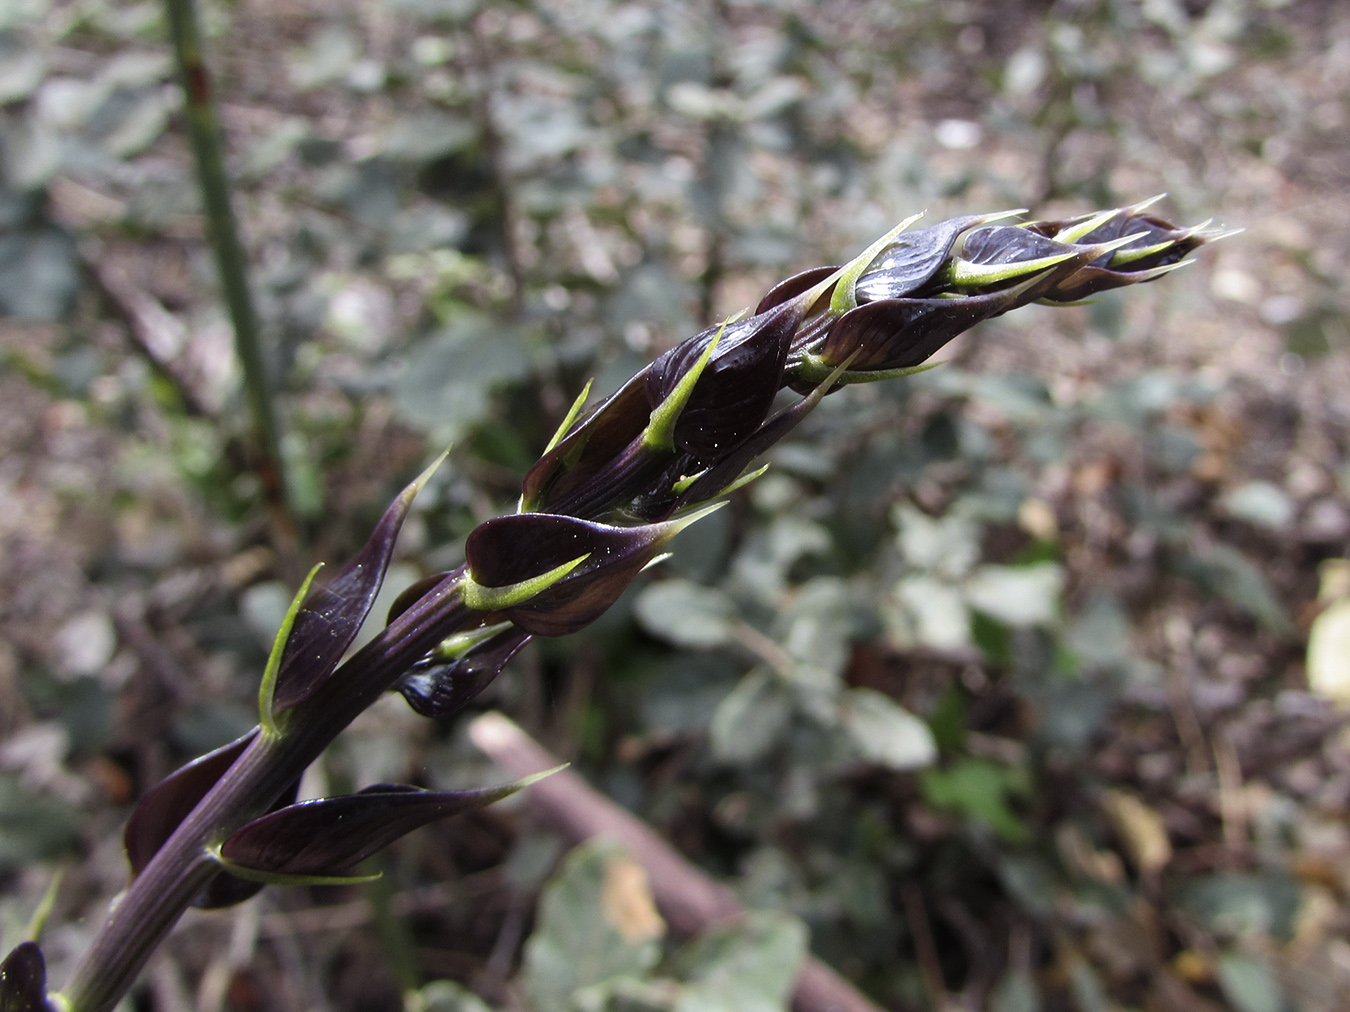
<point>482,54</point>
<point>208,152</point>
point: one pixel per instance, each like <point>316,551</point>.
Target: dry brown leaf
<point>1141,831</point>
<point>628,902</point>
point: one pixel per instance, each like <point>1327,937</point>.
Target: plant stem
<point>207,149</point>
<point>180,869</point>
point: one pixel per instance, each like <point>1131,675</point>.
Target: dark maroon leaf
<point>900,333</point>
<point>170,801</point>
<point>1088,281</point>
<point>1150,230</point>
<point>730,467</point>
<point>23,980</point>
<point>441,688</point>
<point>328,836</point>
<point>226,890</point>
<point>331,617</point>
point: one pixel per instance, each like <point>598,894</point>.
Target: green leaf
<point>1260,503</point>
<point>686,614</point>
<point>1227,573</point>
<point>979,789</point>
<point>451,374</point>
<point>1235,905</point>
<point>33,827</point>
<point>947,545</point>
<point>749,967</point>
<point>596,925</point>
<point>931,612</point>
<point>1016,992</point>
<point>751,720</point>
<point>1248,984</point>
<point>444,996</point>
<point>885,732</point>
<point>39,273</point>
<point>1017,595</point>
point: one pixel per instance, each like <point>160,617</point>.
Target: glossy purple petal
<point>1101,276</point>
<point>439,689</point>
<point>1089,281</point>
<point>226,890</point>
<point>1009,244</point>
<point>912,260</point>
<point>170,801</point>
<point>900,333</point>
<point>332,616</point>
<point>329,836</point>
<point>733,465</point>
<point>23,980</point>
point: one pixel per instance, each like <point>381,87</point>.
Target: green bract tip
<point>481,598</point>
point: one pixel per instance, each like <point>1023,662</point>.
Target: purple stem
<point>167,885</point>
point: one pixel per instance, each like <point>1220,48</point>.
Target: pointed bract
<point>328,836</point>
<point>170,801</point>
<point>510,550</point>
<point>331,618</point>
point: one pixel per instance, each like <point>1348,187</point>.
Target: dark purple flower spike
<point>601,504</point>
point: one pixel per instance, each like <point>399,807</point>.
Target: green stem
<point>207,149</point>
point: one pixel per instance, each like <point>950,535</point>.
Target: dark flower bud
<point>1149,248</point>
<point>551,575</point>
<point>732,391</point>
<point>913,260</point>
<point>577,469</point>
<point>23,980</point>
<point>459,669</point>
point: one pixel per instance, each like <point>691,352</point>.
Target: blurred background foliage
<point>992,691</point>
